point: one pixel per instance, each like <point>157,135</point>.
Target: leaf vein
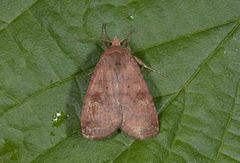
<point>228,122</point>
<point>205,61</point>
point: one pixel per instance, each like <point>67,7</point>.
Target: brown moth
<point>118,96</point>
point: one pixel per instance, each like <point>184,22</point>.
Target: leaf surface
<point>45,67</point>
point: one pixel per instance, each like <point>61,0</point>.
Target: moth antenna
<point>104,37</point>
<point>104,31</point>
<point>140,62</point>
<point>125,42</point>
<point>129,34</point>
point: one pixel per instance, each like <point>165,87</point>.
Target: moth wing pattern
<point>101,114</point>
<point>140,119</point>
<point>118,97</point>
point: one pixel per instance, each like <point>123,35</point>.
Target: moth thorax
<point>116,42</point>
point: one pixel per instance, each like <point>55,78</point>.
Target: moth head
<point>116,41</point>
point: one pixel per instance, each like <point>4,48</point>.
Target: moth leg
<point>90,73</point>
<point>104,37</point>
<point>142,64</point>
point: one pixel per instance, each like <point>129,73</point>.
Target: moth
<point>118,96</point>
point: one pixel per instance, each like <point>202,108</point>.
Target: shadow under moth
<point>118,96</point>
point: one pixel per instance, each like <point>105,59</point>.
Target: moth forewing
<point>118,97</point>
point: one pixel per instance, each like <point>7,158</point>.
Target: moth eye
<point>124,43</point>
<point>109,44</point>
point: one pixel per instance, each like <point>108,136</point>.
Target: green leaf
<point>45,69</point>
